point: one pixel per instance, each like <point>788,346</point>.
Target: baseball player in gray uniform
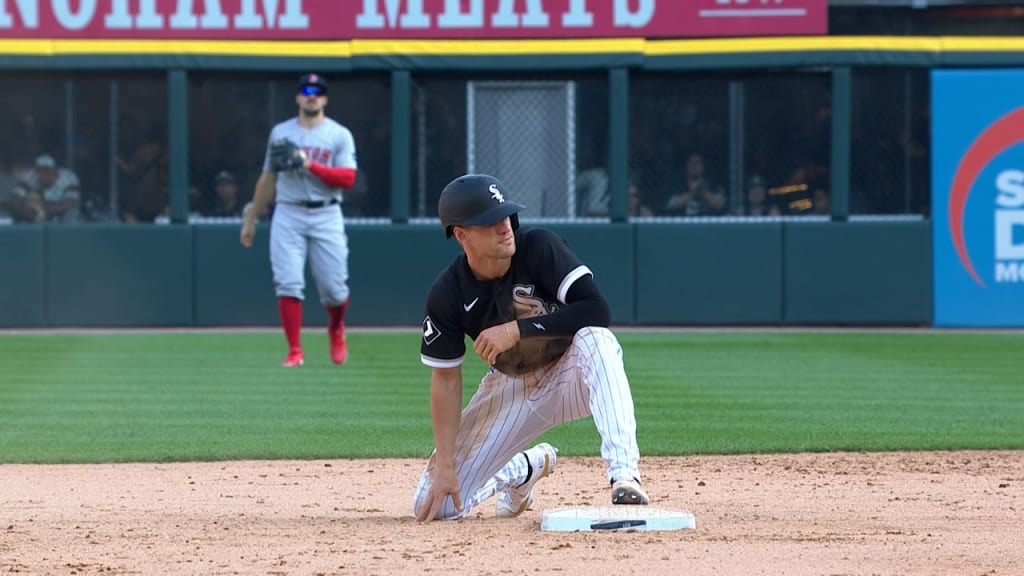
<point>310,159</point>
<point>538,319</point>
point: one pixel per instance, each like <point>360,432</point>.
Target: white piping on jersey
<point>439,363</point>
<point>577,273</point>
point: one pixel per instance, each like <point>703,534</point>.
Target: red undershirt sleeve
<point>334,177</point>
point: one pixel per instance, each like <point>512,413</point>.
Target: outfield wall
<point>653,273</point>
<point>759,273</point>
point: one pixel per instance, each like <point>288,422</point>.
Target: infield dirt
<point>934,513</point>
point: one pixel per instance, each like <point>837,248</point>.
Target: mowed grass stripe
<point>96,397</point>
<point>210,396</point>
<point>849,391</point>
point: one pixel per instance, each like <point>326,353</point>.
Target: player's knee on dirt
<point>446,512</point>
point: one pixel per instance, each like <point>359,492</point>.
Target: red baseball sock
<point>291,320</point>
<point>336,317</point>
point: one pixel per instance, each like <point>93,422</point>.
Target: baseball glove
<point>285,155</point>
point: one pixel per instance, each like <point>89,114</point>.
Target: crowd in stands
<point>696,194</point>
<point>42,191</point>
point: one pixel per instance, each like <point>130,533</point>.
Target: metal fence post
<point>618,143</point>
<point>401,128</point>
<point>840,161</point>
<point>177,144</point>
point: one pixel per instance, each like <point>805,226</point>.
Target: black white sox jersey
<point>542,271</point>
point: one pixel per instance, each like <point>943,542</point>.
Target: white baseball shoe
<point>629,491</point>
<point>514,501</point>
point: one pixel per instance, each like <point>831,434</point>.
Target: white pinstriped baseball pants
<point>507,412</point>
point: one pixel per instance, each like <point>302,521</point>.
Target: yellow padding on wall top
<point>577,46</point>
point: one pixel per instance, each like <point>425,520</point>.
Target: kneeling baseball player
<point>537,317</point>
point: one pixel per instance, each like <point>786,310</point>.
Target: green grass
<point>214,396</point>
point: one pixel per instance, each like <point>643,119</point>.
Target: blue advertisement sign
<point>978,197</point>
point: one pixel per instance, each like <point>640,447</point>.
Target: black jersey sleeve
<point>552,263</point>
<point>444,342</point>
<point>586,306</point>
<point>571,281</point>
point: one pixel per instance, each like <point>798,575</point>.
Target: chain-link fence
<point>678,126</point>
<point>105,133</point>
<point>889,148</point>
<point>720,145</point>
<point>700,144</point>
<point>788,142</point>
<point>544,137</point>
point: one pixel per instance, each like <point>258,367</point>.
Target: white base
<point>615,518</point>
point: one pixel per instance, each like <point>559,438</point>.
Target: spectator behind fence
<point>13,166</point>
<point>820,199</point>
<point>225,202</point>
<point>758,203</point>
<point>45,193</point>
<point>637,208</point>
<point>593,192</point>
<point>198,202</point>
<point>145,176</point>
<point>796,197</point>
<point>699,196</point>
<point>8,178</point>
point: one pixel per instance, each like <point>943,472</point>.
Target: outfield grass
<point>214,396</point>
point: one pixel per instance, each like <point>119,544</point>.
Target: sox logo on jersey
<point>526,304</point>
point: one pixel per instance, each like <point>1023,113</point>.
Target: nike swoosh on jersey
<point>469,306</point>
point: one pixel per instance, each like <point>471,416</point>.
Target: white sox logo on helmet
<point>496,194</point>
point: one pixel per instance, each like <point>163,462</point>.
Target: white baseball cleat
<point>629,491</point>
<point>514,501</point>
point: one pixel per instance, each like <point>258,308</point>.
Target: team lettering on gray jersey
<point>328,143</point>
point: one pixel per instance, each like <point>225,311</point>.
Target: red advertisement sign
<point>400,19</point>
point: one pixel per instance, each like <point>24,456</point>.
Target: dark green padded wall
<point>392,268</point>
<point>858,273</point>
<point>117,275</point>
<point>22,278</point>
<point>652,274</point>
<point>713,273</point>
<point>234,285</point>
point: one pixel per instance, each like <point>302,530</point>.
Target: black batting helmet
<point>475,200</point>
